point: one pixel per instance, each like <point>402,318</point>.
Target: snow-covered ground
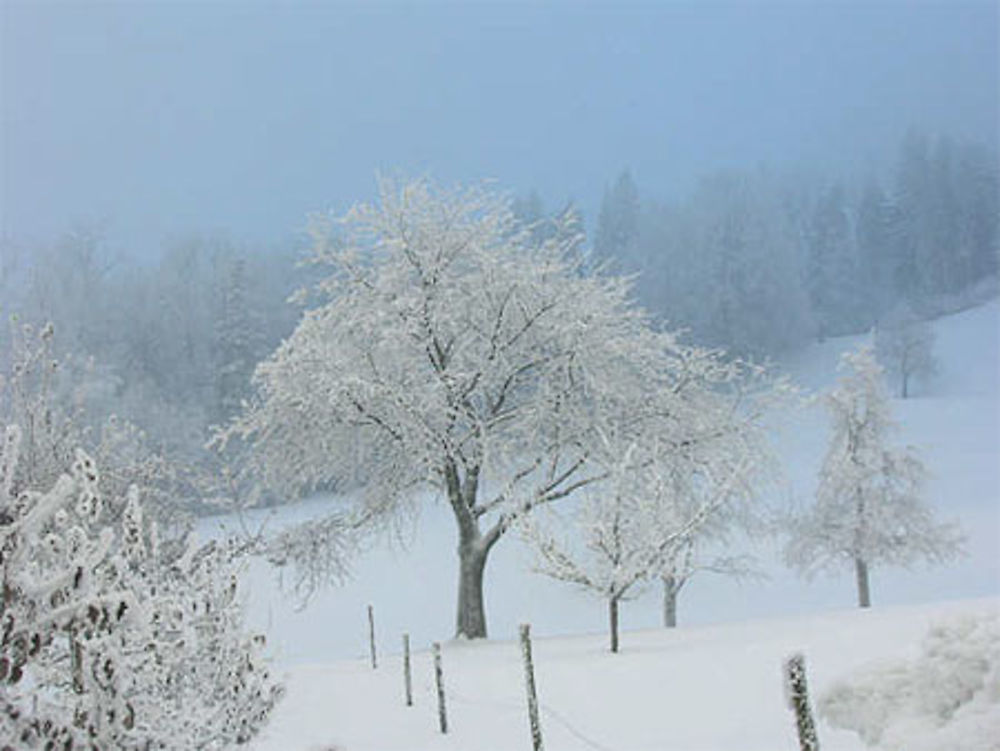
<point>714,682</point>
<point>705,688</point>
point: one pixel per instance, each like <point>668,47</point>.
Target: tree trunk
<point>861,572</point>
<point>906,385</point>
<point>471,619</point>
<point>473,549</point>
<point>613,622</point>
<point>670,590</point>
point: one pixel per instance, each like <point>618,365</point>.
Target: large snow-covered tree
<point>456,349</point>
<point>869,508</point>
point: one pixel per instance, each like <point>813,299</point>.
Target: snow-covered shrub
<point>50,398</point>
<point>117,630</point>
<point>208,680</point>
<point>108,642</point>
<point>61,611</point>
<point>948,699</point>
<point>48,435</point>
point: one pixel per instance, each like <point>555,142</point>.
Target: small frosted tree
<point>661,495</point>
<point>869,508</point>
<point>904,344</point>
<point>695,555</point>
<point>616,539</point>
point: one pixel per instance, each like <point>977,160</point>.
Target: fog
<point>153,119</point>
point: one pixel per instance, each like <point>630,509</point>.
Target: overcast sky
<point>176,116</point>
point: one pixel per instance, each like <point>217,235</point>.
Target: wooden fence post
<point>371,635</point>
<point>407,679</point>
<point>797,695</point>
<point>529,682</point>
<point>439,680</point>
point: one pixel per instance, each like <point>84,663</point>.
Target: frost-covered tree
<point>615,539</point>
<point>671,488</point>
<point>721,507</point>
<point>455,351</point>
<point>869,508</point>
<point>904,344</point>
<point>699,554</point>
<point>636,524</point>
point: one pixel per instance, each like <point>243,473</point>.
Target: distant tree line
<point>760,263</point>
<point>752,262</point>
<point>169,342</point>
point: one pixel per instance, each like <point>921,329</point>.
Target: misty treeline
<point>167,342</point>
<point>751,261</point>
<point>759,263</point>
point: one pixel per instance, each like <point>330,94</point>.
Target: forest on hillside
<point>759,262</point>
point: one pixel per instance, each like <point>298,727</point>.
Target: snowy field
<point>706,688</point>
<point>712,684</point>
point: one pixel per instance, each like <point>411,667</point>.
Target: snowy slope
<point>955,421</point>
<point>708,688</point>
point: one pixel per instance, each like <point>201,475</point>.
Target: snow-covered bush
<point>108,643</point>
<point>61,611</point>
<point>117,630</point>
<point>105,641</point>
<point>948,699</point>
